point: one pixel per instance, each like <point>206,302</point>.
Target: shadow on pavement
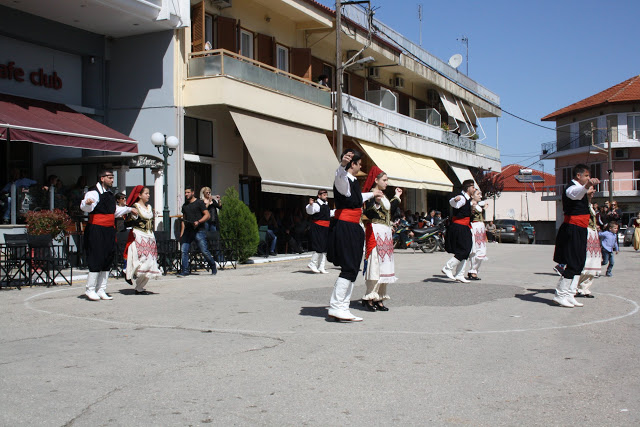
<point>303,272</point>
<point>441,278</point>
<point>547,274</point>
<point>313,311</point>
<point>130,291</point>
<point>533,296</point>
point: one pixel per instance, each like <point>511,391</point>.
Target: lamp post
<point>165,145</point>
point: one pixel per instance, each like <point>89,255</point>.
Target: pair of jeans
<point>200,238</point>
<point>274,240</point>
<point>607,258</point>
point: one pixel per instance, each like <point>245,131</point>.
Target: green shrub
<point>239,224</point>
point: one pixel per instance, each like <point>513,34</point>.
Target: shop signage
<point>37,78</point>
<point>143,161</point>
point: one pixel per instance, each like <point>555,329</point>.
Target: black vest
<point>106,204</point>
<point>324,214</point>
<point>352,202</point>
<point>464,211</point>
<point>574,207</point>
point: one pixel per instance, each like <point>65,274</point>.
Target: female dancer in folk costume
<point>379,269</point>
<point>636,233</point>
<point>593,264</point>
<point>141,252</point>
<point>479,235</point>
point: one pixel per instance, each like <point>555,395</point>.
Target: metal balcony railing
<point>222,62</point>
<point>381,116</point>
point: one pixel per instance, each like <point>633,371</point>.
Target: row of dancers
<point>342,243</point>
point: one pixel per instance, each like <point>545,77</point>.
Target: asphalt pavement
<point>253,346</point>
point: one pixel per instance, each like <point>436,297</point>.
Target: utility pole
<point>420,19</point>
<point>339,147</point>
<point>610,171</point>
<point>465,40</point>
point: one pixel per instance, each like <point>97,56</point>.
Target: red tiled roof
<point>511,184</point>
<point>627,91</point>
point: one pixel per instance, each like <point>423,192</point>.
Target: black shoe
<point>182,274</point>
<point>585,295</point>
<point>472,277</point>
<point>143,293</point>
<point>381,307</point>
<point>128,281</point>
<point>273,253</point>
<point>368,304</point>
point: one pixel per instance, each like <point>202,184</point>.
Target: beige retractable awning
<point>408,169</point>
<point>450,104</point>
<point>291,159</point>
<point>463,173</point>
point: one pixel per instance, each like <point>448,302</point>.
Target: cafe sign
<point>145,161</point>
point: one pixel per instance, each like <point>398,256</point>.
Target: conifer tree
<point>238,224</point>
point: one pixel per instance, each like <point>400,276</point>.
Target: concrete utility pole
<point>610,171</point>
<point>339,135</point>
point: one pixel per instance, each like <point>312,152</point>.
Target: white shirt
<point>314,208</point>
<point>342,181</point>
<point>95,196</point>
<point>576,191</point>
<point>460,203</point>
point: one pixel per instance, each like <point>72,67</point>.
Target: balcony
<point>621,188</point>
<point>220,62</point>
<point>385,118</point>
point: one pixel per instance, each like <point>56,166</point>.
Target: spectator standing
<point>121,201</point>
<point>194,216</point>
<point>321,214</point>
<point>212,203</point>
<point>609,241</point>
<point>636,232</point>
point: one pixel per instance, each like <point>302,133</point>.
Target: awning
<point>291,159</point>
<point>451,106</point>
<point>462,172</point>
<point>41,122</point>
<point>407,169</point>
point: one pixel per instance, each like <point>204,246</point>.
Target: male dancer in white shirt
<point>346,238</point>
<point>100,234</point>
<point>321,214</point>
<point>458,240</point>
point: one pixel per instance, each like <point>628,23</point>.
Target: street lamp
<point>165,145</point>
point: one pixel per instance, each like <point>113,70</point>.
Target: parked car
<point>531,232</point>
<point>511,230</point>
<point>627,240</point>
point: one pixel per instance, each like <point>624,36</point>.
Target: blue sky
<point>538,56</point>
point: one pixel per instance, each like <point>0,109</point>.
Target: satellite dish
<point>511,213</point>
<point>455,60</point>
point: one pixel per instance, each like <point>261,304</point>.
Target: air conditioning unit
<point>221,4</point>
<point>397,82</point>
<point>373,73</point>
<point>621,153</point>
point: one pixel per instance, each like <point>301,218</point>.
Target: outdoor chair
<point>47,261</point>
<point>169,254</point>
<point>119,264</point>
<point>14,263</point>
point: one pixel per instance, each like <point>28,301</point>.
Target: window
<point>246,43</point>
<point>197,175</point>
<point>566,175</point>
<point>633,127</point>
<point>327,70</point>
<point>564,138</point>
<point>612,128</point>
<point>588,133</point>
<point>208,29</point>
<point>594,170</point>
<point>198,137</point>
<point>282,58</point>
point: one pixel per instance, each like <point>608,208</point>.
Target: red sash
<point>370,240</point>
<point>579,220</point>
<point>321,222</point>
<point>349,215</point>
<point>106,220</point>
<point>462,221</point>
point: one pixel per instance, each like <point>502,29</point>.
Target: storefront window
<point>198,136</point>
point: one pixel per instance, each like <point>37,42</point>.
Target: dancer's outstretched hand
<point>346,158</point>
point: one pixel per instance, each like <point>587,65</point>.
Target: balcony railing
<point>381,116</point>
<point>221,62</point>
<point>621,187</point>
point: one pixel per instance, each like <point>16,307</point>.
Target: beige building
<point>255,116</point>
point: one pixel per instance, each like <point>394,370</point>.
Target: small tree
<point>491,184</point>
<point>239,224</point>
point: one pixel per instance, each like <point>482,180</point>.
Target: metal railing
<point>381,116</point>
<point>359,16</point>
<point>619,186</point>
<point>222,62</point>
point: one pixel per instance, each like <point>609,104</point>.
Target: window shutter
<point>266,50</point>
<point>197,27</point>
<point>226,34</point>
<point>301,62</point>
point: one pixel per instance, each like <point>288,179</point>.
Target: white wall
<point>519,201</point>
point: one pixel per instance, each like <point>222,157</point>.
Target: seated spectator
<point>268,220</point>
<point>491,231</point>
<point>438,218</point>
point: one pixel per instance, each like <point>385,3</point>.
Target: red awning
<point>41,122</point>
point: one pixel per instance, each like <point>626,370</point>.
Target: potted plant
<point>445,126</point>
<point>44,222</point>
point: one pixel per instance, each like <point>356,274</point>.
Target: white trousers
<point>341,296</point>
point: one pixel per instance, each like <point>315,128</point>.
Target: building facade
<point>600,130</point>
